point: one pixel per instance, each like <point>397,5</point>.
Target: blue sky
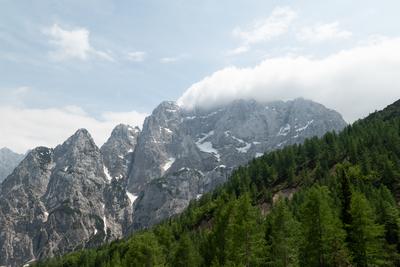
<point>100,62</point>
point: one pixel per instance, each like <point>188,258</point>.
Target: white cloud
<point>73,44</point>
<point>14,96</point>
<point>354,81</point>
<point>137,56</point>
<point>169,59</point>
<point>323,32</point>
<point>26,128</point>
<point>239,50</point>
<point>266,29</point>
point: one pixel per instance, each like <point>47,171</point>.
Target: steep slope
<point>330,202</point>
<point>8,161</point>
<point>77,195</point>
<point>118,150</point>
<point>202,147</point>
<point>58,200</point>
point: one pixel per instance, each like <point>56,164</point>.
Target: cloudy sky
<point>71,64</point>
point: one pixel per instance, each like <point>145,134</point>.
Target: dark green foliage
<point>283,237</point>
<point>323,233</point>
<point>366,235</point>
<point>329,202</point>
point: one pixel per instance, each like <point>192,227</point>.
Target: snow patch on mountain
<point>131,197</point>
<point>305,127</point>
<point>107,173</point>
<point>168,164</point>
<point>283,131</point>
<point>244,149</point>
<point>207,146</point>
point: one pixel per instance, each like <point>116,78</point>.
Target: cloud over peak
<point>354,81</point>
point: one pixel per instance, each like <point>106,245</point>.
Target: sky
<point>91,64</point>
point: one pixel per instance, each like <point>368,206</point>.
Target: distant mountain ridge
<point>8,161</point>
<point>77,195</point>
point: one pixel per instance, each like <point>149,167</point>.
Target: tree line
<point>331,201</point>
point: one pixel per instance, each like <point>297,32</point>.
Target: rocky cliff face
<point>8,161</point>
<point>77,195</point>
<point>118,150</point>
<point>58,200</point>
<point>196,150</point>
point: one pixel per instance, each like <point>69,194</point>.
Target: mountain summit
<point>77,195</point>
<point>8,161</point>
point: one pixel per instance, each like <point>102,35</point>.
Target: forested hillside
<point>329,202</point>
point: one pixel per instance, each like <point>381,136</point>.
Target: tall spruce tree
<point>367,241</point>
<point>283,237</point>
<point>245,243</point>
<point>323,234</point>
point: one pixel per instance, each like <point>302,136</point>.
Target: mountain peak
<point>167,106</point>
<point>8,161</point>
<point>82,132</point>
<point>81,135</point>
<point>81,140</point>
<point>124,130</point>
<point>5,150</point>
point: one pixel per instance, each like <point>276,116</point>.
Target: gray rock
<point>77,195</point>
<point>8,161</point>
<point>212,143</point>
<point>58,200</point>
<point>118,150</point>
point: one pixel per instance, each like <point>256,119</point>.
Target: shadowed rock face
<point>8,161</point>
<point>77,195</point>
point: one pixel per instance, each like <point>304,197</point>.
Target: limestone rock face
<point>118,150</point>
<point>77,195</point>
<point>202,147</point>
<point>8,161</point>
<point>58,200</point>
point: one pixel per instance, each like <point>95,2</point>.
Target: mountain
<point>58,200</point>
<point>79,196</point>
<point>8,161</point>
<point>332,201</point>
<point>182,154</point>
<point>118,150</point>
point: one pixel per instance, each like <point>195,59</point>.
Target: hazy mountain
<point>8,161</point>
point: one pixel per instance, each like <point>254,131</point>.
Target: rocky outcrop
<point>58,200</point>
<point>8,161</point>
<point>77,195</point>
<point>118,150</point>
<point>211,143</point>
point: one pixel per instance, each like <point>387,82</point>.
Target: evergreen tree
<point>366,235</point>
<point>144,250</point>
<point>283,237</point>
<point>245,243</point>
<point>323,234</point>
<point>186,254</point>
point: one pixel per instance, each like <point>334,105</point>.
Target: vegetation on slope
<point>327,202</point>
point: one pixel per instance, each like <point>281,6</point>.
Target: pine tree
<point>144,250</point>
<point>366,235</point>
<point>323,234</point>
<point>283,237</point>
<point>186,254</point>
<point>245,243</point>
